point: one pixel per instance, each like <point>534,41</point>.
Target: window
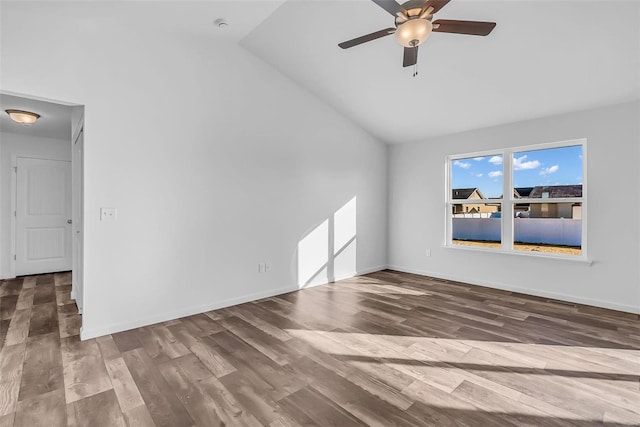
<point>544,208</point>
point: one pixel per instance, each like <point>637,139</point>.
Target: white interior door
<point>77,284</point>
<point>43,216</point>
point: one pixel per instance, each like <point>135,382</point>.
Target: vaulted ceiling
<point>543,58</point>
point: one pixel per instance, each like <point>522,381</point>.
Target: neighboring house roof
<point>522,191</point>
<point>556,191</point>
<point>464,193</point>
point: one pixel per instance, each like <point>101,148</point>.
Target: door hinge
<point>15,169</point>
<point>15,258</point>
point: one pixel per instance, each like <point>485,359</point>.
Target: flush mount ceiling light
<point>23,117</point>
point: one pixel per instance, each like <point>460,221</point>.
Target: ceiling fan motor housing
<point>412,29</point>
<point>413,4</point>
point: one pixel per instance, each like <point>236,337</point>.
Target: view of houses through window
<point>544,204</point>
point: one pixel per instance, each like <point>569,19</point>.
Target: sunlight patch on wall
<point>330,250</point>
<point>345,261</point>
<point>344,225</point>
<point>344,240</point>
<point>313,254</point>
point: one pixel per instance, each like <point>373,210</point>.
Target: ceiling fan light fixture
<point>413,32</point>
<point>23,117</point>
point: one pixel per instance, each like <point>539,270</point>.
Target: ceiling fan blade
<point>390,6</point>
<point>366,38</point>
<point>410,56</point>
<point>473,28</point>
<point>435,4</point>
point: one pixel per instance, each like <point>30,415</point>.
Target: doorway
<point>41,190</point>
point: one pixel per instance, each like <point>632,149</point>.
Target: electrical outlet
<point>428,252</point>
<point>260,267</point>
<point>267,267</point>
<point>108,214</point>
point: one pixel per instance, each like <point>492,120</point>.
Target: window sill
<point>530,254</point>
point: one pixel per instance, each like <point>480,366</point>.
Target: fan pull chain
<point>415,69</point>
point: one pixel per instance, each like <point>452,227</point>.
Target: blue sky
<point>555,166</point>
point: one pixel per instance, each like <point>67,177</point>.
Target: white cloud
<point>550,170</point>
<point>463,165</point>
<point>495,174</point>
<point>496,160</point>
<point>479,175</point>
<point>477,159</point>
<point>520,164</point>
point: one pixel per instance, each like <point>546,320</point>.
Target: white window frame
<point>507,204</point>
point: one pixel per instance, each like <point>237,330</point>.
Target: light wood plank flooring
<point>384,349</point>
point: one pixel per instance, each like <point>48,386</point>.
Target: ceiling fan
<point>413,24</point>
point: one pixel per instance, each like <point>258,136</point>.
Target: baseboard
<point>72,295</point>
<point>86,334</point>
<point>6,277</point>
<point>360,272</point>
<point>372,270</point>
<point>125,326</point>
<point>535,292</point>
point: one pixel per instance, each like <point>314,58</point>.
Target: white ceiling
<point>543,58</point>
<point>54,121</point>
<point>181,18</point>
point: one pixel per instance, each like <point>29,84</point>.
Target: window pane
<point>477,224</point>
<point>476,178</point>
<point>548,174</point>
<point>549,227</point>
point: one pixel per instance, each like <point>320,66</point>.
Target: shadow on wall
<point>328,252</point>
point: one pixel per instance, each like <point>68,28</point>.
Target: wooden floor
<point>383,349</point>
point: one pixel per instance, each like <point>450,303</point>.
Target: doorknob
<point>69,221</point>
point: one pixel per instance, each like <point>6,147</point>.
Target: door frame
<point>14,207</point>
<point>77,211</point>
<point>14,226</point>
<point>13,231</point>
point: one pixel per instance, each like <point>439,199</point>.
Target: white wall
<point>13,145</point>
<point>417,194</point>
<point>214,160</point>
